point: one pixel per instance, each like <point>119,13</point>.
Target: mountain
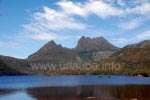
<point>88,49</point>
<point>133,58</point>
<point>94,49</point>
<point>54,53</point>
<point>98,43</point>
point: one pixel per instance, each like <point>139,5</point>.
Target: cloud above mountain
<point>97,7</point>
<point>69,15</point>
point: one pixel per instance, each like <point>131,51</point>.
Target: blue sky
<point>26,25</point>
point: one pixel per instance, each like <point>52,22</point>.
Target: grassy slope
<point>133,60</point>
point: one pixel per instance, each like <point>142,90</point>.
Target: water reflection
<point>6,91</point>
<point>14,95</point>
<point>74,87</point>
<point>127,92</point>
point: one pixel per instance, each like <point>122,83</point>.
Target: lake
<point>74,87</point>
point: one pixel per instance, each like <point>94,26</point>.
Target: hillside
<point>6,70</point>
<point>13,66</point>
<point>133,58</point>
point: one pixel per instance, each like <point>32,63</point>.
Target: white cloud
<point>53,20</point>
<point>144,35</point>
<point>143,9</point>
<point>73,8</point>
<point>121,3</point>
<point>50,23</point>
<point>9,44</point>
<point>43,24</point>
<point>1,43</point>
<point>140,1</point>
<point>131,24</point>
<point>97,7</point>
<point>48,36</point>
<point>120,41</point>
<point>134,39</point>
<point>104,9</point>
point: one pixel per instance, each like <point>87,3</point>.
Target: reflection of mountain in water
<point>127,92</point>
<point>7,91</point>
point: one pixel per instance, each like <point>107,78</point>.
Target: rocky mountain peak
<point>83,37</point>
<point>51,44</point>
<point>98,43</point>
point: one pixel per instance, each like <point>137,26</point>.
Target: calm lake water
<point>74,87</point>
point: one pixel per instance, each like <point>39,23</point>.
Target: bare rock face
<point>102,55</point>
<point>99,43</point>
<point>50,45</point>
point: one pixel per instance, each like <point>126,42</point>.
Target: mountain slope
<point>133,58</point>
<point>138,51</point>
<point>143,44</point>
